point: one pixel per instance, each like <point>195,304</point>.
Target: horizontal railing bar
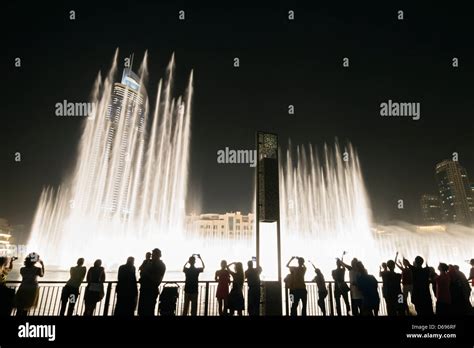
<point>163,282</point>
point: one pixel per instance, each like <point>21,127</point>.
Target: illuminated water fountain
<point>127,194</point>
<point>325,211</point>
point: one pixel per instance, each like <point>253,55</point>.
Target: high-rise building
<point>125,138</point>
<point>430,209</point>
<point>455,192</point>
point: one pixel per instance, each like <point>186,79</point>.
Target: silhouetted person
<point>95,287</point>
<point>150,279</point>
<point>443,292</point>
<point>471,272</point>
<point>393,290</point>
<point>356,295</point>
<point>191,285</point>
<point>322,291</point>
<point>340,287</point>
<point>146,261</point>
<point>368,285</point>
<point>298,286</point>
<point>466,289</point>
<point>421,296</point>
<point>382,274</point>
<point>7,295</point>
<point>126,289</point>
<point>6,265</point>
<point>252,274</point>
<point>460,292</point>
<point>407,282</point>
<point>27,294</point>
<point>70,292</point>
<point>236,295</point>
<point>432,275</point>
<point>222,277</point>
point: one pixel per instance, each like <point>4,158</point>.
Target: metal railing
<point>49,299</point>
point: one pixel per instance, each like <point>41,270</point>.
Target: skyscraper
<point>455,192</point>
<point>430,209</point>
<point>125,137</point>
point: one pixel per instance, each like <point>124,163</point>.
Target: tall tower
<point>125,140</point>
<point>455,192</point>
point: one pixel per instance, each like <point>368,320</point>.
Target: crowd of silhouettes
<point>417,281</point>
<point>450,286</point>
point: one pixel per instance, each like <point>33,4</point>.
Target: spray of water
<point>127,195</point>
<point>325,210</point>
<point>324,206</point>
<point>128,189</point>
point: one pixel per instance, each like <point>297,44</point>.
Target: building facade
<point>455,193</point>
<point>125,139</point>
<point>233,225</point>
<point>430,209</point>
<point>5,235</point>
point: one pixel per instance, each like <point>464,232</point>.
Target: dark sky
<point>282,63</point>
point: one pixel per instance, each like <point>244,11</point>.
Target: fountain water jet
<point>324,206</point>
<point>127,194</point>
<point>325,210</point>
<point>129,185</point>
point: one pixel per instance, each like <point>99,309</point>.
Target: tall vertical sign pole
<point>278,220</point>
<point>257,199</point>
<point>268,211</point>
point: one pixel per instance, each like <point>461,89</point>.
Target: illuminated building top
<point>130,79</point>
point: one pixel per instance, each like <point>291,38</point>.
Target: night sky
<point>282,62</point>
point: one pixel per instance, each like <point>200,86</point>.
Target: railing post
<point>331,300</point>
<point>287,305</point>
<point>107,300</point>
<point>206,300</point>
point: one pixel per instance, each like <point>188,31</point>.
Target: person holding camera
<point>191,286</point>
<point>222,277</point>
<point>27,294</point>
<point>298,286</point>
<point>322,290</point>
<point>341,289</point>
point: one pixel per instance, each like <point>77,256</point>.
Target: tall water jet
<point>324,205</point>
<point>129,184</point>
<point>325,211</point>
<point>126,194</point>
